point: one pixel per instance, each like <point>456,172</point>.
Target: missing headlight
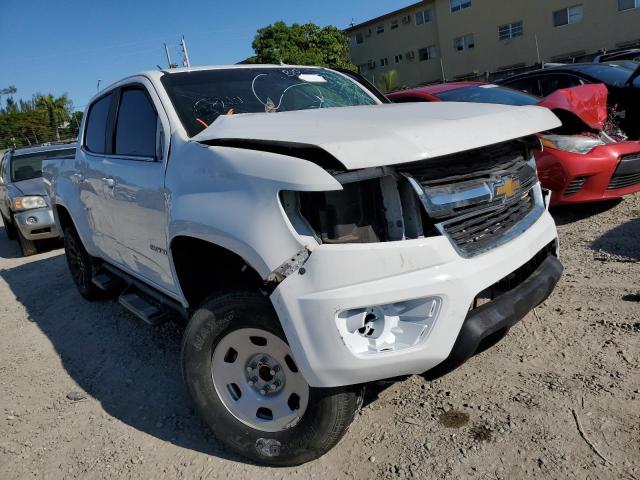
<point>366,210</point>
<point>352,215</point>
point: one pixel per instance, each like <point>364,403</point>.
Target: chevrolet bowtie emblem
<point>508,188</point>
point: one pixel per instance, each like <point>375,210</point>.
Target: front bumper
<point>341,277</point>
<point>576,178</point>
<point>36,224</point>
<point>501,314</point>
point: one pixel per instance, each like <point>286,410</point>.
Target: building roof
<point>383,17</point>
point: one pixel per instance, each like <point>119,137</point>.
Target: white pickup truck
<point>313,237</point>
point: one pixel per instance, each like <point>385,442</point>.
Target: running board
<point>143,307</point>
<point>139,297</point>
<point>107,282</point>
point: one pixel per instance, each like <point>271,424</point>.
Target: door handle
<point>109,182</point>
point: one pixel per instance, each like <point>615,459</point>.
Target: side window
<point>551,83</point>
<point>529,85</point>
<point>136,126</point>
<point>94,139</point>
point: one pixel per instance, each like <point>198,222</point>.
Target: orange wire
<point>202,122</point>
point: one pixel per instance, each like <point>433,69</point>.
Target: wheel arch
<point>202,266</point>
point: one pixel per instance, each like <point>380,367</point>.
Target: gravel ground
<point>89,391</point>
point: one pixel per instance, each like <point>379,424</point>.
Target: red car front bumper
<point>607,172</point>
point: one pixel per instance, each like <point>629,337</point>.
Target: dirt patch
<point>481,433</point>
<point>454,419</point>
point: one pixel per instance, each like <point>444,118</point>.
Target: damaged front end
<point>478,199</point>
<point>587,120</point>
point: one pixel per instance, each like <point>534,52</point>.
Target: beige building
<point>454,39</point>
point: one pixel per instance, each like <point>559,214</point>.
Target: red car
<point>587,159</point>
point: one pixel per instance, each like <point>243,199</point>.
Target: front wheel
<point>246,385</point>
<point>9,228</point>
<point>28,247</point>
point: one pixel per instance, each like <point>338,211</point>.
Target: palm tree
<point>388,81</point>
<point>56,111</point>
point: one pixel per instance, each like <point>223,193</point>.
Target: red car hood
<point>588,102</point>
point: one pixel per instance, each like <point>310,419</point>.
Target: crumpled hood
<point>33,186</point>
<point>378,135</point>
<point>588,102</point>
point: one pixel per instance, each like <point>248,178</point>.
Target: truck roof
<point>44,148</point>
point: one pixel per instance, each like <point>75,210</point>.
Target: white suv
<point>314,237</point>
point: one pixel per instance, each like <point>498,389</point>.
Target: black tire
<point>28,247</point>
<point>329,412</point>
<point>9,228</point>
<point>80,265</point>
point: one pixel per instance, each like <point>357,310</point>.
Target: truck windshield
<point>28,166</point>
<point>200,97</point>
<point>488,94</point>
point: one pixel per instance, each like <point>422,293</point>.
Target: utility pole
<point>166,51</point>
<point>185,53</point>
<point>444,78</point>
<point>538,50</point>
<point>98,86</point>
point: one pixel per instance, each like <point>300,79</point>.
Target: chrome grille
<point>479,198</point>
<point>478,231</point>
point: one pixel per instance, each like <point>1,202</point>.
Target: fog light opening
<point>368,329</point>
<point>32,220</point>
<point>388,327</point>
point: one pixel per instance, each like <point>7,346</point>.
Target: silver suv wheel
<point>257,380</point>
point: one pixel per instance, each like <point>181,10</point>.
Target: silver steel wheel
<point>257,380</point>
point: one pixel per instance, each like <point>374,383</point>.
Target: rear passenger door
<point>134,193</point>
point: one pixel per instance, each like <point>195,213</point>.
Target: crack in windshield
<point>201,97</point>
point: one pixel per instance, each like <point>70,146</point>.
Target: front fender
<point>230,197</point>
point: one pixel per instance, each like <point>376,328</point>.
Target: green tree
<point>306,44</point>
<point>56,111</point>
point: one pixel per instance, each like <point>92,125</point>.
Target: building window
<point>423,17</point>
<point>384,62</point>
<point>628,5</point>
<point>371,64</point>
<point>457,5</point>
<point>398,58</point>
<point>567,15</point>
<point>428,53</point>
<point>357,39</point>
<point>394,24</point>
<point>380,29</point>
<point>510,30</point>
<point>465,42</point>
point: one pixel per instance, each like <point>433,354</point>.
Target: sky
<point>67,46</point>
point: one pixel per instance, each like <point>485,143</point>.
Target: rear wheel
<point>80,264</point>
<point>9,228</point>
<point>246,385</point>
